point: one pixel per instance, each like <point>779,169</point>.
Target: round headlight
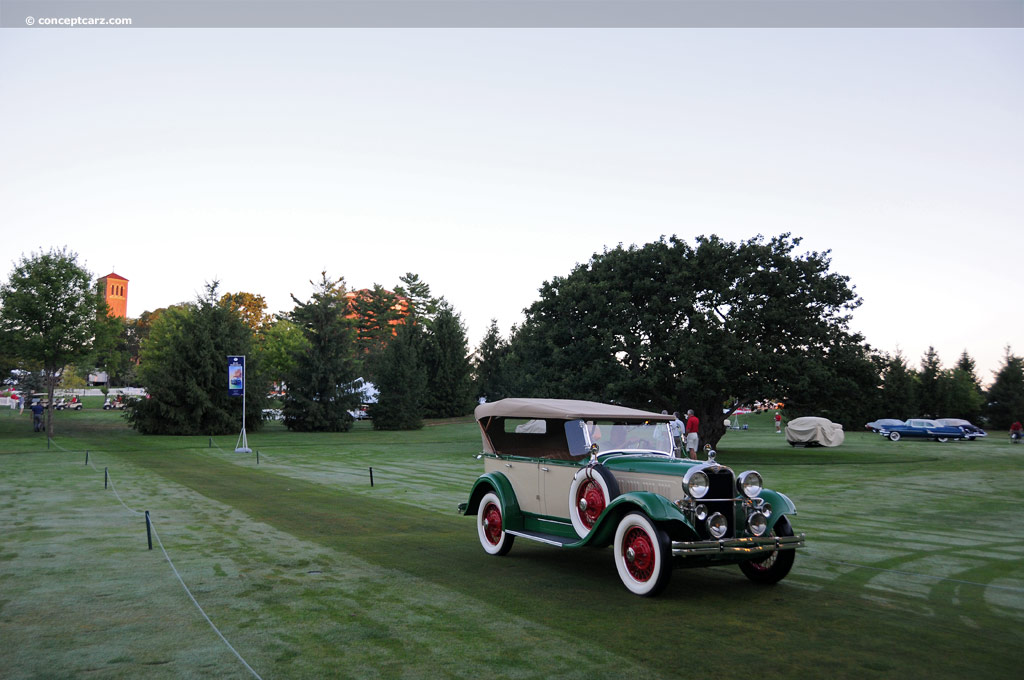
<point>701,512</point>
<point>695,483</point>
<point>717,526</point>
<point>757,523</point>
<point>750,483</point>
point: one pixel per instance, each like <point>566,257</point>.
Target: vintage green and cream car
<point>575,474</point>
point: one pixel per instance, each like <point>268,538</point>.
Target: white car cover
<point>810,429</point>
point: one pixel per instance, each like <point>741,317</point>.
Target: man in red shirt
<point>1016,431</point>
<point>692,441</point>
<point>778,422</point>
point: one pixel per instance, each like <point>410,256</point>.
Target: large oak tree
<point>672,326</point>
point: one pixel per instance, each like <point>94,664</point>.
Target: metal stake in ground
<point>149,531</point>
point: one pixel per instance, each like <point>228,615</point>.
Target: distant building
<point>115,292</point>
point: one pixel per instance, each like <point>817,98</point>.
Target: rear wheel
<point>894,436</point>
<point>643,556</point>
<point>490,526</point>
<point>942,439</point>
<point>773,567</point>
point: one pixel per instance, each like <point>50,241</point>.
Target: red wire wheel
<point>643,555</point>
<point>638,552</point>
<point>593,502</point>
<point>593,489</point>
<point>491,526</point>
<point>492,523</point>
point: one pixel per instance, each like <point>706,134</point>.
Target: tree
<point>401,381</point>
<point>963,390</point>
<point>376,312</point>
<point>320,393</point>
<point>184,371</point>
<point>279,347</point>
<point>899,389</point>
<point>422,306</point>
<point>250,307</point>
<point>489,366</point>
<point>846,389</point>
<point>931,387</point>
<point>667,326</point>
<point>48,314</point>
<point>448,370</point>
<point>1006,395</point>
<point>111,352</point>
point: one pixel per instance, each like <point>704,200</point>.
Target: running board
<point>550,539</point>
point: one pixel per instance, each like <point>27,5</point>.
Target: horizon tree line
<point>667,325</point>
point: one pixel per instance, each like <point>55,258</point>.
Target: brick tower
<point>115,292</point>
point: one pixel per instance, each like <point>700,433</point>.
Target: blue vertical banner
<point>236,376</point>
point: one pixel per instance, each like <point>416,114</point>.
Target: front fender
<point>658,508</point>
<point>499,484</point>
<point>781,505</point>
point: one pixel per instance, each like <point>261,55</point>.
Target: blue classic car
<point>971,431</point>
<point>876,425</point>
<point>922,429</point>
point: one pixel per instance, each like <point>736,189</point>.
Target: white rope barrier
<point>152,527</point>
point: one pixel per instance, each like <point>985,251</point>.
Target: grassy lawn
<point>914,566</point>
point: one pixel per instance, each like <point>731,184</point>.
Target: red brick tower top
<point>115,291</point>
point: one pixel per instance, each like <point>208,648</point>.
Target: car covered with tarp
<point>814,431</point>
<point>571,474</point>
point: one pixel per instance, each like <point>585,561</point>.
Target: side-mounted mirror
<point>577,435</point>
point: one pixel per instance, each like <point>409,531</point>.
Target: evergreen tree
<point>320,393</point>
<point>401,381</point>
<point>422,305</point>
<point>930,385</point>
<point>449,387</point>
<point>899,391</point>
<point>376,313</point>
<point>184,371</point>
<point>963,389</point>
<point>489,366</point>
<point>1006,395</point>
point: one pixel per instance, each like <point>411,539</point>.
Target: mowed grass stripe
<point>568,590</point>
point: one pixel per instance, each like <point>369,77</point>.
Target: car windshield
<point>646,437</point>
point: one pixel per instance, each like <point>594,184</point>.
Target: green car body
<point>657,511</point>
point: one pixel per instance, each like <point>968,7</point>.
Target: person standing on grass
<point>692,440</point>
<point>37,416</point>
<point>778,422</point>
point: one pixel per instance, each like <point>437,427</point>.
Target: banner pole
<point>242,445</point>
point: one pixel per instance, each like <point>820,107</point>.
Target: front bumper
<point>738,546</point>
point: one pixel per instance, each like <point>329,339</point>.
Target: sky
<point>491,160</point>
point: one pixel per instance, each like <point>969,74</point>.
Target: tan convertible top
<point>567,409</point>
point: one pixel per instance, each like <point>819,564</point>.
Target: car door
<point>522,474</point>
<point>555,482</point>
